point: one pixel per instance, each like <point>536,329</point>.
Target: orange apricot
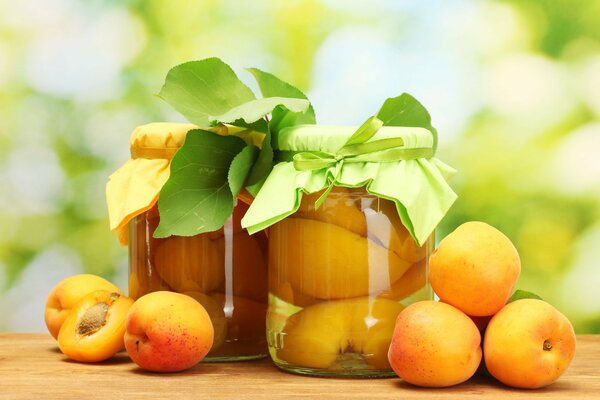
<point>413,280</point>
<point>528,344</point>
<point>143,277</point>
<point>167,332</point>
<point>94,329</point>
<point>65,295</point>
<point>434,345</point>
<point>475,269</point>
<point>340,209</point>
<point>317,335</point>
<point>285,292</point>
<point>324,261</point>
<point>193,263</point>
<point>386,227</point>
<point>248,275</point>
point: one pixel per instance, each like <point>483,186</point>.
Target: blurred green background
<point>513,88</point>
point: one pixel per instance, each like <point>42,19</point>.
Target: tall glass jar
<point>338,277</point>
<point>225,270</point>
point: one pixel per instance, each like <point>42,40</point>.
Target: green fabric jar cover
<point>392,162</point>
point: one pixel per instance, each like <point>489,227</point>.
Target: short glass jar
<point>225,270</point>
<point>338,277</point>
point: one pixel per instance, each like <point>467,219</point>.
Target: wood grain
<point>32,367</point>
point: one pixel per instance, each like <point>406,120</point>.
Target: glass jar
<point>338,277</point>
<point>225,270</point>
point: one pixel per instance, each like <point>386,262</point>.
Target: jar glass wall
<point>338,277</point>
<point>225,270</point>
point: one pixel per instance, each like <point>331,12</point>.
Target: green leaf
<point>405,110</point>
<point>197,197</point>
<point>281,117</point>
<point>254,110</point>
<point>262,167</point>
<point>257,126</point>
<point>240,167</point>
<point>271,86</point>
<point>198,89</point>
<point>522,294</point>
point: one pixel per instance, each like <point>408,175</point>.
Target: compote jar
<point>351,215</point>
<point>224,270</point>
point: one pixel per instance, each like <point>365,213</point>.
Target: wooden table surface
<point>32,367</point>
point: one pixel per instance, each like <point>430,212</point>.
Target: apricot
<point>528,344</point>
<point>246,331</point>
<point>372,329</point>
<point>434,345</point>
<point>167,332</point>
<point>385,227</point>
<point>317,335</point>
<point>216,314</point>
<point>475,269</point>
<point>143,277</point>
<point>374,218</point>
<point>94,329</point>
<point>191,263</point>
<point>340,208</point>
<point>325,261</point>
<point>248,274</point>
<point>413,280</point>
<point>65,295</point>
<point>284,292</point>
<point>144,281</point>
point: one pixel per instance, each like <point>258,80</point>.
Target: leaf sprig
<point>209,170</point>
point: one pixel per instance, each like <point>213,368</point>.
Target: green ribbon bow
<point>357,149</point>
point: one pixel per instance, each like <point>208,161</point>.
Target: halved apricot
<point>413,280</point>
<point>324,261</point>
<point>66,294</point>
<point>317,335</point>
<point>94,329</point>
<point>340,209</point>
<point>248,274</point>
<point>190,264</point>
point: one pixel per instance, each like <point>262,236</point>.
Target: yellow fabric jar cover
<point>134,188</point>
